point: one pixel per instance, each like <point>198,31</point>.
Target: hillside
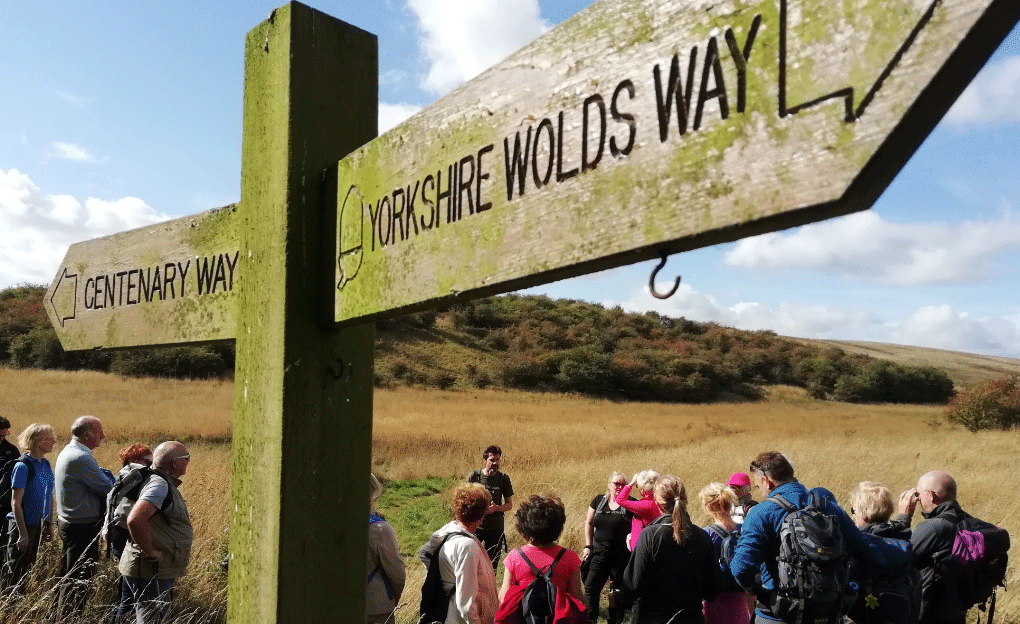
<point>965,369</point>
<point>541,344</point>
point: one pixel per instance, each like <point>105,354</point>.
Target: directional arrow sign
<point>170,283</point>
<point>642,127</point>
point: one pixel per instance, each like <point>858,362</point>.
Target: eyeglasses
<point>185,457</point>
<point>619,484</point>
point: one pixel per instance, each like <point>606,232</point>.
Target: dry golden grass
<point>552,444</point>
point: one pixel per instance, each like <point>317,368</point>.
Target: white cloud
<point>943,327</point>
<point>77,100</point>
<point>38,227</point>
<point>394,79</point>
<point>71,151</point>
<point>992,97</point>
<point>462,39</point>
<point>868,247</point>
<point>939,327</point>
<point>391,115</point>
<point>794,319</point>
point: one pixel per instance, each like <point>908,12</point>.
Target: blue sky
<point>127,114</point>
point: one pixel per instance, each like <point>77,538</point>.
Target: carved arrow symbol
<point>847,93</point>
<point>70,291</point>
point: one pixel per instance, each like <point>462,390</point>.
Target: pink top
<point>521,574</point>
<point>645,511</point>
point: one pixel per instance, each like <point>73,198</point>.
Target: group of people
<point>661,566</point>
<point>80,492</point>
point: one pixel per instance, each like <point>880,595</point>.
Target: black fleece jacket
<point>932,542</point>
<point>667,579</point>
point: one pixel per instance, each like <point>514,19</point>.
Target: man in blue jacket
<point>757,552</point>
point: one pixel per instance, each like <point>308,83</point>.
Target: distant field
<point>964,368</point>
<point>552,444</point>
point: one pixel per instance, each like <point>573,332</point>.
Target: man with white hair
<point>932,541</point>
<point>161,535</point>
<point>81,488</point>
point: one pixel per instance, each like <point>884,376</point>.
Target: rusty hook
<point>651,281</point>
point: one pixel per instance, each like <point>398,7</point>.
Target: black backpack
<point>726,550</point>
<point>814,567</point>
<point>890,596</point>
<point>538,604</point>
<point>24,459</point>
<point>435,600</point>
<point>977,564</point>
<point>122,498</point>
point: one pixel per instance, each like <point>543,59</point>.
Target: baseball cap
<point>739,479</point>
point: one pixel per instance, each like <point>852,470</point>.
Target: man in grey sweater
<point>81,489</point>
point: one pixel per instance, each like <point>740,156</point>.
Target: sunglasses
<point>619,484</point>
<point>185,457</point>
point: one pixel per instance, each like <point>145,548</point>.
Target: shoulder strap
<point>559,556</point>
<point>452,534</point>
<point>818,502</point>
<point>25,459</point>
<point>475,476</point>
<point>552,565</point>
<point>718,530</point>
<point>782,502</point>
<point>602,504</point>
<point>520,551</point>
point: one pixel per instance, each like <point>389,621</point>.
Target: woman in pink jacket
<point>645,510</point>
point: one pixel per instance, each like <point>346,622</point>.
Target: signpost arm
<point>303,394</point>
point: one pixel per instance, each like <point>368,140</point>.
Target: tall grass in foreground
<point>552,444</point>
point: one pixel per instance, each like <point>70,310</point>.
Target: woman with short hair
<point>733,605</point>
<point>673,568</point>
<point>386,574</point>
<point>464,565</point>
<point>31,503</point>
<point>137,455</point>
<point>645,510</point>
<point>891,593</point>
<point>606,552</point>
<point>540,520</point>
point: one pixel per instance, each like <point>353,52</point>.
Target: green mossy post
<point>303,394</point>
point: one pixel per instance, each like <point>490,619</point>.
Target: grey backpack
<point>814,566</point>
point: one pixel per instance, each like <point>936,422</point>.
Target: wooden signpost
<point>634,129</point>
<point>647,127</point>
<point>170,283</point>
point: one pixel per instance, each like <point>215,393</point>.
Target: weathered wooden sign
<point>634,128</point>
<point>169,283</point>
<point>641,127</point>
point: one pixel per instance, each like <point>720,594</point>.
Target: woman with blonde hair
<point>31,502</point>
<point>895,589</point>
<point>645,510</point>
<point>673,568</point>
<point>464,566</point>
<point>733,605</point>
<point>386,574</point>
<point>605,552</point>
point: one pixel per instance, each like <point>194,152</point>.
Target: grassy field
<point>426,440</point>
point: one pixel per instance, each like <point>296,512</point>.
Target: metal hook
<point>651,281</point>
<point>338,371</point>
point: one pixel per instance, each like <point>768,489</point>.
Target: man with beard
<point>502,491</point>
